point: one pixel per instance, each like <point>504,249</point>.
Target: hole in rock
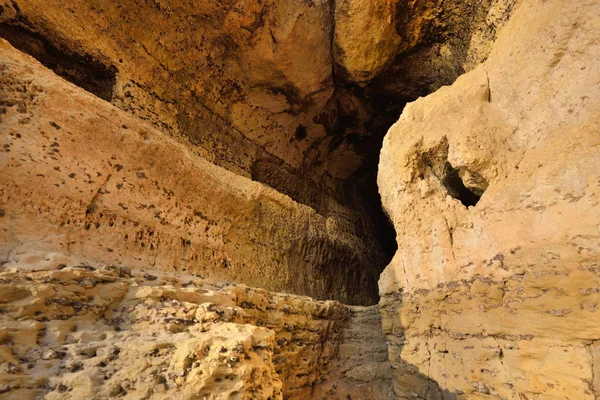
<point>81,70</point>
<point>468,196</point>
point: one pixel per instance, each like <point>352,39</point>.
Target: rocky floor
<point>97,332</point>
<point>360,365</point>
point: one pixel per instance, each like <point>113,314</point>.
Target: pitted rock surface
<point>492,184</point>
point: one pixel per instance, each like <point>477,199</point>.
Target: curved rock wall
<point>81,177</point>
<point>492,185</point>
<point>245,85</point>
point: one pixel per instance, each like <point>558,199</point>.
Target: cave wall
<point>82,177</point>
<point>150,159</point>
<point>281,92</point>
<point>492,185</point>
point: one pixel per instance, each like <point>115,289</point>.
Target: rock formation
<point>492,184</point>
<point>176,177</point>
<point>107,332</point>
<point>277,91</point>
<point>82,177</point>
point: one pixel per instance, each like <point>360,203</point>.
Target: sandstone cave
<point>299,199</point>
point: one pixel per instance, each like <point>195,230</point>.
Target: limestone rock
<point>81,178</point>
<point>365,40</point>
<point>492,187</point>
<point>360,368</point>
<point>176,336</point>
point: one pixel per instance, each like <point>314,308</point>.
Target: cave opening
<point>457,189</point>
<point>365,136</point>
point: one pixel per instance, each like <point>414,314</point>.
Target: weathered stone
<point>135,338</point>
<point>83,178</point>
<point>491,184</point>
<point>374,22</point>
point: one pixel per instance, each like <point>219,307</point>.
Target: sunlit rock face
<point>492,185</point>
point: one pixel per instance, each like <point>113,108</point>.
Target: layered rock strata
<point>492,185</point>
<point>79,176</point>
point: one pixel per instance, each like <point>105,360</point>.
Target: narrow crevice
<point>81,70</point>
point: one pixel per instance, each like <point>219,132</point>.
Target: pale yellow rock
<point>365,38</point>
<point>498,298</point>
<point>96,342</point>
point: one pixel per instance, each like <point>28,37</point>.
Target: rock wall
<point>492,185</point>
<point>233,86</point>
<point>129,193</point>
<point>254,84</point>
<point>81,177</point>
<point>74,330</point>
<point>281,92</point>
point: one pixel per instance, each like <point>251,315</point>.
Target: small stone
<point>150,277</point>
<point>49,355</point>
<point>87,283</point>
<point>162,388</point>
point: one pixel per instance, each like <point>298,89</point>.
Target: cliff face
<point>492,184</point>
<point>83,178</point>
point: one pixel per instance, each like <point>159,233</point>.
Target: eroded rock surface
<point>73,330</point>
<point>79,176</point>
<point>492,184</point>
<point>79,331</point>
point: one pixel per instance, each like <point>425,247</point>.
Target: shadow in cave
<point>84,70</point>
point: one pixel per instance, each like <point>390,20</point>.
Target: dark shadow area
<point>366,186</point>
<point>457,189</point>
<point>409,383</point>
<point>81,70</point>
